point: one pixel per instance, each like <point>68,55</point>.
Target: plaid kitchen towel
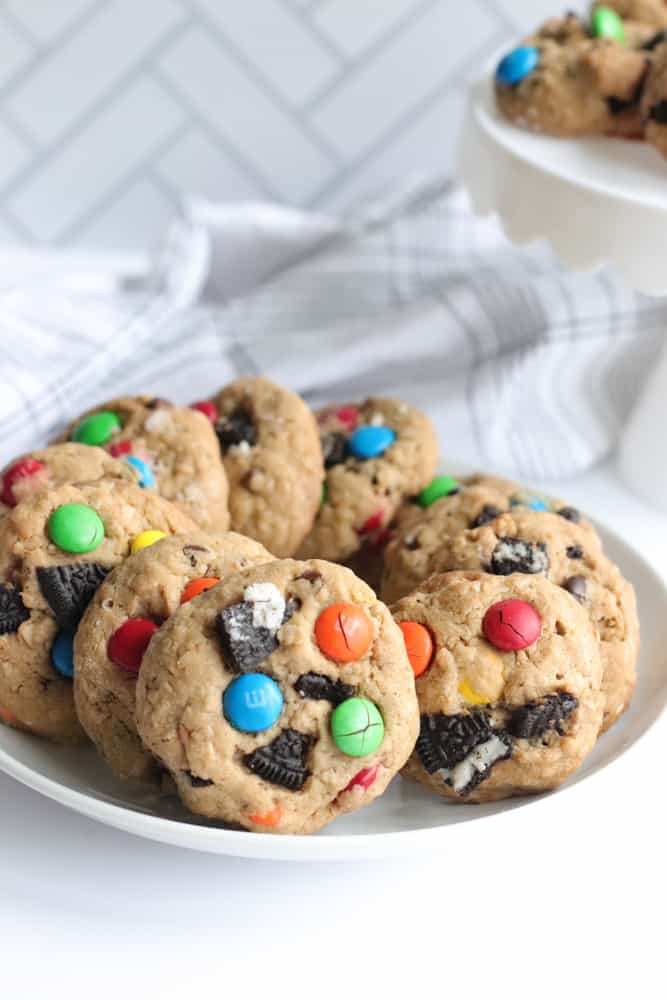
<point>524,368</point>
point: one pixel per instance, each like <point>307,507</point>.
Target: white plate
<point>597,200</point>
<point>404,820</point>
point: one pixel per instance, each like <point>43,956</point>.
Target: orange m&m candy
<point>271,818</point>
<point>418,645</point>
<point>8,716</point>
<point>344,632</point>
<point>196,587</point>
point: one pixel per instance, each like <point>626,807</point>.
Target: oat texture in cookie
<point>287,693</point>
<point>56,547</point>
<point>510,702</point>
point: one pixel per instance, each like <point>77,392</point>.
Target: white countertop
<point>86,910</point>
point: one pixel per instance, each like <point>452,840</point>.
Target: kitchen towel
<point>524,368</point>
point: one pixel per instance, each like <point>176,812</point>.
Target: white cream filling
<point>268,605</point>
<point>478,760</point>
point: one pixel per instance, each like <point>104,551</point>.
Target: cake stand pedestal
<point>597,201</point>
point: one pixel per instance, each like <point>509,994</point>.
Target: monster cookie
<point>279,699</point>
<point>509,696</point>
<point>173,448</point>
<point>375,454</point>
<point>55,549</point>
<point>571,557</point>
<point>134,599</point>
<point>446,507</point>
<point>654,102</point>
<point>56,465</point>
<point>272,456</point>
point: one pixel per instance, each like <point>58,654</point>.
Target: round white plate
<point>597,200</point>
<point>404,820</point>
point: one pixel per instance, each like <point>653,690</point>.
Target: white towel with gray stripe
<point>524,368</point>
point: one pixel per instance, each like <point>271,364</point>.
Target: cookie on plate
<point>654,101</point>
<point>173,447</point>
<point>49,467</point>
<point>376,454</point>
<point>508,682</point>
<point>524,541</point>
<point>55,549</point>
<point>447,507</point>
<point>279,699</point>
<point>272,456</point>
<point>125,612</point>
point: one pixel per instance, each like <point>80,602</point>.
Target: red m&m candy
<point>364,778</point>
<point>512,625</point>
<point>127,645</point>
<point>20,470</point>
<point>208,408</point>
<point>119,448</point>
<point>348,416</point>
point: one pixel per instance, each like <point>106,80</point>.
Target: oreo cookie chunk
<point>488,512</point>
<point>248,630</point>
<point>322,688</point>
<point>282,762</point>
<point>492,639</point>
<point>238,429</point>
<point>68,590</point>
<point>13,611</point>
<point>516,555</point>
<point>334,449</point>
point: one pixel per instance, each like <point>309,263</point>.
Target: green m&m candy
<point>357,728</point>
<point>606,23</point>
<point>74,527</point>
<point>440,486</point>
<point>97,429</point>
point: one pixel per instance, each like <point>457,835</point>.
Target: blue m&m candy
<point>146,477</point>
<point>536,503</point>
<point>370,441</point>
<point>62,654</point>
<point>517,65</point>
<point>252,703</point>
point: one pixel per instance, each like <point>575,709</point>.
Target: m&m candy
<point>252,703</point>
<point>129,642</point>
<point>196,587</point>
<point>440,486</point>
<point>343,632</point>
<point>62,654</point>
<point>24,469</point>
<point>208,408</point>
<point>370,441</point>
<point>418,646</point>
<point>357,727</point>
<point>75,527</point>
<point>511,625</point>
<point>364,778</point>
<point>146,477</point>
<point>517,65</point>
<point>120,448</point>
<point>97,429</point>
<point>146,538</point>
<point>606,23</point>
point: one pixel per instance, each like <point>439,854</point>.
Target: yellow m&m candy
<point>147,538</point>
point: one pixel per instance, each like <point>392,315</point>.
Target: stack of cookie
<point>603,75</point>
<point>188,588</point>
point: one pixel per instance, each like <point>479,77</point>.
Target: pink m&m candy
<point>511,625</point>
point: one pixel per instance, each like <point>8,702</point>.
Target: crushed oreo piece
<point>476,767</point>
<point>68,589</point>
<point>334,449</point>
<point>516,555</point>
<point>245,645</point>
<point>13,611</point>
<point>461,748</point>
<point>535,718</point>
<point>576,585</point>
<point>488,512</point>
<point>570,514</point>
<point>574,552</point>
<point>282,762</point>
<point>653,42</point>
<point>237,428</point>
<point>198,782</point>
<point>321,688</point>
<point>658,113</point>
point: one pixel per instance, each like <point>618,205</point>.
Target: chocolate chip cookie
<point>280,699</point>
<point>173,448</point>
<point>55,549</point>
<point>445,508</point>
<point>508,683</point>
<point>571,557</point>
<point>271,453</point>
<point>47,468</point>
<point>127,609</point>
<point>376,454</point>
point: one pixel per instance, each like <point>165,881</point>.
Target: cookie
<point>125,612</point>
<point>271,453</point>
<point>376,454</point>
<point>654,101</point>
<point>588,87</point>
<point>423,526</point>
<point>285,743</point>
<point>56,548</point>
<point>47,468</point>
<point>571,557</point>
<point>173,448</point>
<point>510,699</point>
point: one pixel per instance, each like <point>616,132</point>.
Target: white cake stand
<point>597,201</point>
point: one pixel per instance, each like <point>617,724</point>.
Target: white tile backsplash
<point>111,110</point>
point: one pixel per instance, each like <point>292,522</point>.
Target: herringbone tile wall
<point>110,109</point>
